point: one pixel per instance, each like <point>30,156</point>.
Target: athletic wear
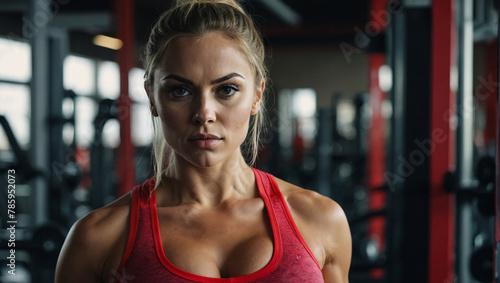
<point>145,261</point>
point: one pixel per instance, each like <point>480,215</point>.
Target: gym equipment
<point>101,173</point>
<point>497,171</point>
<point>485,170</point>
<point>23,168</point>
<point>408,200</point>
<point>481,191</point>
<point>366,254</point>
<point>46,240</point>
<point>44,245</point>
<point>363,218</point>
<point>481,263</point>
<point>71,175</point>
<point>485,174</point>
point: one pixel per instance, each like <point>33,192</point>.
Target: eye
<point>178,91</point>
<point>228,90</point>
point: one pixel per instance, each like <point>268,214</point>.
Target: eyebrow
<point>216,81</point>
<point>227,77</point>
<point>180,79</point>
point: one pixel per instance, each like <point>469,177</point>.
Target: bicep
<point>334,273</point>
<point>337,270</point>
<point>338,249</point>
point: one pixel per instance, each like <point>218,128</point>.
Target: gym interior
<point>389,107</point>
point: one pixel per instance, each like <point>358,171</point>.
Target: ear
<point>258,98</point>
<point>154,112</point>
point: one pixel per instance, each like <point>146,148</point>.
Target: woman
<point>208,216</point>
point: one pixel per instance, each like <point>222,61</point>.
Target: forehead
<point>211,54</point>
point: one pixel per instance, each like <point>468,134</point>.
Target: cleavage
<point>229,241</point>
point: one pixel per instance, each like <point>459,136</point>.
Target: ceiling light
<point>107,42</point>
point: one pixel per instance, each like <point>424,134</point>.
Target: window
<point>15,59</point>
<point>15,74</point>
<point>108,80</point>
<point>79,75</point>
<point>86,111</point>
<point>136,86</point>
<point>15,107</point>
<point>297,116</point>
<point>142,126</point>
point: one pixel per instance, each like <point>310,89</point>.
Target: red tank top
<point>145,261</point>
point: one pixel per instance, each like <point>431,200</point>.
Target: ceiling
<point>294,24</point>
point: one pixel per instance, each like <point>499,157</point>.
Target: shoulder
<point>95,243</point>
<point>321,220</point>
<point>313,206</point>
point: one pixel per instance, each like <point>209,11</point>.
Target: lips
<point>205,141</point>
<point>204,137</point>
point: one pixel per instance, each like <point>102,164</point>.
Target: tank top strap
<point>265,181</point>
<point>281,209</point>
<point>140,199</point>
<point>144,192</point>
<point>272,192</point>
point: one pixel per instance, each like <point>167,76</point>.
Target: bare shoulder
<point>312,206</point>
<point>95,243</point>
<point>322,223</point>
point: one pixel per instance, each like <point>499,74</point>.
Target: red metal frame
<point>376,137</point>
<point>442,205</point>
<point>125,161</point>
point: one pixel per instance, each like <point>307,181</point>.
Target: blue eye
<point>228,90</point>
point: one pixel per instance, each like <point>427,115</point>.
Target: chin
<point>203,161</point>
<point>207,159</point>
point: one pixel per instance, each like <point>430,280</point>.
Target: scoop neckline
<point>268,268</point>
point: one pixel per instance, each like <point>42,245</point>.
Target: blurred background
<point>388,107</point>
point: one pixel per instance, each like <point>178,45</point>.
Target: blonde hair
<point>198,17</point>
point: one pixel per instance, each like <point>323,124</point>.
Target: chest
<point>229,242</point>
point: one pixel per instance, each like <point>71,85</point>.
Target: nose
<point>204,110</point>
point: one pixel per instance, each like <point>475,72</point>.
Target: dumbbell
<point>481,263</point>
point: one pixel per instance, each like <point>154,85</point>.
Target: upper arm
<point>79,259</point>
<point>95,245</point>
<point>338,246</point>
<point>324,226</point>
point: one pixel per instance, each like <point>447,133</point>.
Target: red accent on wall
<point>442,206</point>
<point>125,163</point>
<point>376,155</point>
<point>379,18</point>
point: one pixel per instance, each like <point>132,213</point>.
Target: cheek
<point>238,119</point>
<point>240,112</point>
<point>172,121</point>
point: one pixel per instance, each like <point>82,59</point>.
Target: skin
<point>209,209</point>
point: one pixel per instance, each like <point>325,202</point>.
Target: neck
<point>208,186</point>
